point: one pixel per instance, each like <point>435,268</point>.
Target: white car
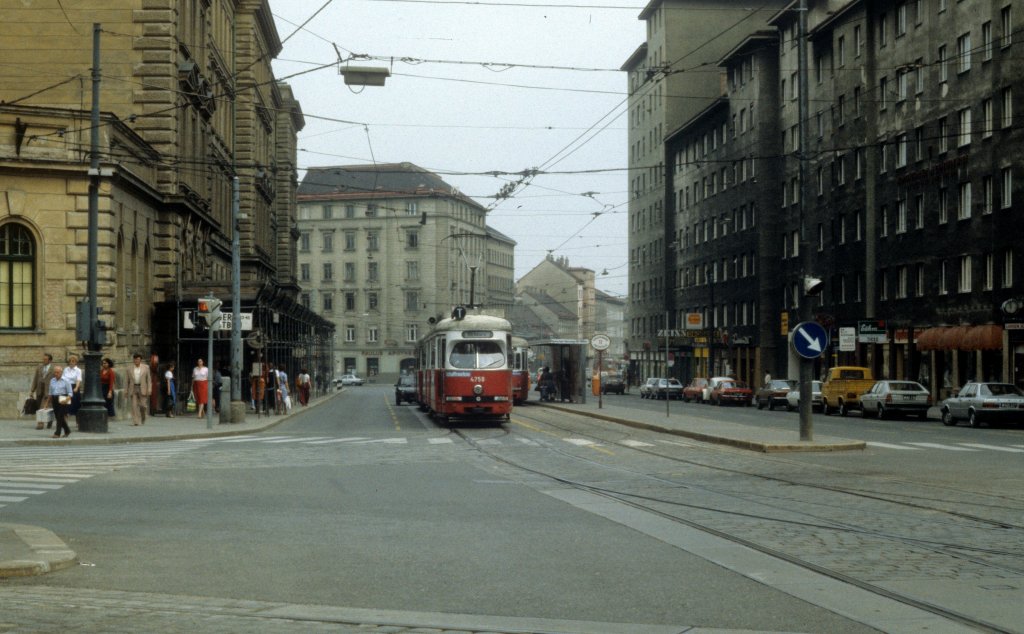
<point>712,384</point>
<point>793,397</point>
<point>348,379</point>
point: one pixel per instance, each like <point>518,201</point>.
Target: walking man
<point>139,384</point>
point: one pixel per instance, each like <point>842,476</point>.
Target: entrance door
<point>372,366</point>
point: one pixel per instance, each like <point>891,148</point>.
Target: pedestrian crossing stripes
<point>31,471</point>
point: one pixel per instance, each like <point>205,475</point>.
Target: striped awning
<point>966,338</point>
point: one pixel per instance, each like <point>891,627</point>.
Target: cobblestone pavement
<point>44,609</point>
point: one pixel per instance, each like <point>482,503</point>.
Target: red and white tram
<point>520,370</point>
<point>465,367</point>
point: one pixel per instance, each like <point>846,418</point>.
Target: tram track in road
<point>810,522</point>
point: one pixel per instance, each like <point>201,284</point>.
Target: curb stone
<point>40,551</point>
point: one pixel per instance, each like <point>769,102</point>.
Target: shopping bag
<point>190,406</point>
<point>44,415</point>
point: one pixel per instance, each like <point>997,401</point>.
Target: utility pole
<point>92,416</point>
<point>806,365</point>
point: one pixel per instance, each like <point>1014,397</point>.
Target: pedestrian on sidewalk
<point>170,396</point>
<point>41,381</point>
<point>60,398</point>
<point>284,402</point>
<point>139,385</point>
<point>73,375</point>
<point>302,384</point>
<point>200,386</point>
<point>108,381</point>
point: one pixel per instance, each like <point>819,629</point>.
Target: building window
<point>858,230</point>
<point>371,301</point>
<point>350,300</point>
<point>943,278</point>
<point>1006,20</point>
<point>883,220</point>
<point>350,240</point>
<point>986,41</point>
<point>350,334</point>
<point>350,272</point>
<point>901,283</point>
<point>328,239</point>
<point>304,242</point>
<point>901,150</point>
<point>412,332</point>
<point>990,265</point>
<point>412,270</point>
<point>858,40</point>
<point>328,212</point>
<point>304,272</point>
<point>963,209</point>
<point>412,300</point>
<point>987,122</point>
<point>1006,188</point>
<point>372,241</point>
<point>883,93</point>
<point>883,25</point>
<point>411,208</point>
<point>943,135</point>
<point>17,277</point>
<point>842,229</point>
<point>328,302</point>
<point>919,73</point>
<point>328,271</point>
<point>964,119</point>
<point>942,64</point>
<point>919,287</point>
<point>901,19</point>
<point>919,211</point>
<point>986,195</point>
<point>372,271</point>
<point>964,283</point>
<point>963,52</point>
<point>372,334</point>
<point>371,210</point>
<point>304,298</point>
<point>943,205</point>
<point>412,239</point>
<point>1007,107</point>
<point>1008,269</point>
<point>901,216</point>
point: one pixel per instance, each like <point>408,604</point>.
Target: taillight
<point>989,405</point>
<point>888,398</point>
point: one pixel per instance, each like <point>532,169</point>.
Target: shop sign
<point>694,321</point>
<point>847,339</point>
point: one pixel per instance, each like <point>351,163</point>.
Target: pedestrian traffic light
<point>209,311</point>
<point>101,328</point>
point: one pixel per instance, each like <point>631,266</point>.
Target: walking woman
<point>200,386</point>
<point>170,397</point>
<point>108,381</point>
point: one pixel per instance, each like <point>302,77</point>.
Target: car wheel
<point>880,412</point>
<point>398,401</point>
<point>972,419</point>
<point>825,409</point>
<point>771,405</point>
<point>789,407</point>
<point>843,409</point>
<point>947,418</point>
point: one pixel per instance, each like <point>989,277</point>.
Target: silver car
<point>793,396</point>
<point>984,402</point>
<point>887,398</point>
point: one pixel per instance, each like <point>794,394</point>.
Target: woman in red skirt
<point>200,386</point>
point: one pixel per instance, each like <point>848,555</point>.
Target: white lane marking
<point>20,492</point>
<point>935,445</point>
<point>299,439</point>
<point>249,439</point>
<point>488,441</point>
<point>528,441</point>
<point>636,443</point>
<point>992,447</point>
<point>55,472</point>
<point>440,441</point>
<point>885,445</point>
<point>335,440</point>
<point>5,498</point>
<point>48,487</point>
<point>581,442</point>
<point>33,481</point>
<point>386,441</point>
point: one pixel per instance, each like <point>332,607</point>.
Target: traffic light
<point>209,311</point>
<point>101,328</point>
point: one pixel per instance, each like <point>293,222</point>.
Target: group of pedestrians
<point>59,388</point>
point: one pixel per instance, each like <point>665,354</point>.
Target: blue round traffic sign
<point>810,339</point>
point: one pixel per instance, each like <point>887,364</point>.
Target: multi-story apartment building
<point>669,84</point>
<point>907,206</point>
<point>188,102</point>
<point>384,250</point>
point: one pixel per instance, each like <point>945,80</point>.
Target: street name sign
<point>809,339</point>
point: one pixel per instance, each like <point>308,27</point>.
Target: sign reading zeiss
<point>809,339</point>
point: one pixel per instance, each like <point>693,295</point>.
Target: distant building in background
<point>383,249</point>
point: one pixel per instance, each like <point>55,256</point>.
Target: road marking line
<point>300,439</point>
<point>992,447</point>
<point>4,498</point>
<point>337,440</point>
<point>885,445</point>
<point>528,441</point>
<point>48,487</point>
<point>249,439</point>
<point>636,443</point>
<point>387,441</point>
<point>581,442</point>
<point>439,441</point>
<point>933,445</point>
<point>21,491</point>
<point>12,478</point>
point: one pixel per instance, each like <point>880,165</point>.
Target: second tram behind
<point>465,368</point>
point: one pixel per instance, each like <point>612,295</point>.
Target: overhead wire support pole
<point>92,417</point>
<point>806,365</point>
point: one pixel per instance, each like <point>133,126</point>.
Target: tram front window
<point>476,355</point>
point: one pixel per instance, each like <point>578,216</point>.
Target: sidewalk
<point>703,423</point>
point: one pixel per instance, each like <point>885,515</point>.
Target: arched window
<point>17,277</point>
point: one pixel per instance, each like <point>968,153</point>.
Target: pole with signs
<point>600,342</point>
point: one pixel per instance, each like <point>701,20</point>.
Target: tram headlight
<point>478,389</point>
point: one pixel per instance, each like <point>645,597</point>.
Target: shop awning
<point>966,338</point>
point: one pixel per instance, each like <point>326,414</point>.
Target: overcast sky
<point>480,87</point>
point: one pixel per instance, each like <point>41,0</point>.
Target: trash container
<point>225,399</point>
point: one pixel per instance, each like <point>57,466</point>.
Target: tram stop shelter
<point>567,359</point>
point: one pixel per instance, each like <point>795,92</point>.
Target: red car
<point>694,390</point>
<point>732,391</point>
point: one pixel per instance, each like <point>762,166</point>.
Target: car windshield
<point>674,383</point>
<point>905,386</point>
<point>476,355</point>
<point>407,381</point>
<point>740,384</point>
<point>1000,389</point>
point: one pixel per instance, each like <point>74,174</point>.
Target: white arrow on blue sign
<point>809,339</point>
